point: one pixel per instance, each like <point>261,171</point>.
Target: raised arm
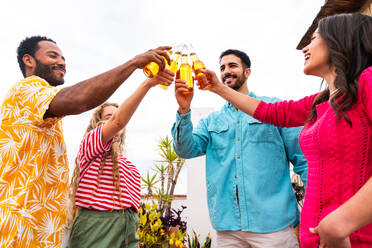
<point>92,92</point>
<point>283,114</point>
<point>245,103</point>
<point>122,116</point>
<point>187,141</point>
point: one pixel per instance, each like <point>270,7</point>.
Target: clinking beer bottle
<point>185,73</point>
<point>152,68</point>
<point>173,66</point>
<point>197,65</point>
<point>174,62</point>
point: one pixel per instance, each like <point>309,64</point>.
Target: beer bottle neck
<point>194,57</point>
<point>184,59</point>
<point>176,56</point>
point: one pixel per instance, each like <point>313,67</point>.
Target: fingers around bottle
<point>165,55</point>
<point>167,73</point>
<point>160,61</point>
<point>180,82</point>
<point>164,80</point>
<point>209,72</point>
<point>212,77</point>
<point>182,90</point>
<point>166,77</point>
<point>166,83</point>
<point>164,48</point>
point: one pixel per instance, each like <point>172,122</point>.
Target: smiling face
<point>316,57</point>
<point>49,63</point>
<point>233,74</point>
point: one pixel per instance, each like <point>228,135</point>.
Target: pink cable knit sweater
<point>339,156</point>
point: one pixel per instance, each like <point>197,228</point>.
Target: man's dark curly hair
<point>242,55</point>
<point>29,46</point>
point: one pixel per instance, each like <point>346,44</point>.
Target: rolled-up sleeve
<point>293,150</point>
<point>187,141</point>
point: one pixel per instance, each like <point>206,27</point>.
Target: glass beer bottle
<point>152,68</point>
<point>174,63</point>
<point>173,66</point>
<point>185,73</point>
<point>202,78</point>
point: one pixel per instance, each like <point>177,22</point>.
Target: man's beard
<point>238,83</point>
<point>46,72</point>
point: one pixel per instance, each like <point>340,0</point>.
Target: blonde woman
<point>105,188</point>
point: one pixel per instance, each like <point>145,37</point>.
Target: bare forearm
<point>183,110</point>
<point>245,103</point>
<point>125,112</point>
<point>90,93</point>
<point>129,106</point>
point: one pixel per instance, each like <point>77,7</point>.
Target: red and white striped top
<point>103,195</point>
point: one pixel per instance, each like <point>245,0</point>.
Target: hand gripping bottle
<point>173,66</point>
<point>152,68</point>
<point>202,78</point>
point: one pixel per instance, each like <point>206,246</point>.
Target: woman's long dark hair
<point>349,41</point>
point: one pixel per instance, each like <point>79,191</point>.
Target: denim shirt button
<point>238,157</point>
<point>238,139</point>
<point>238,122</point>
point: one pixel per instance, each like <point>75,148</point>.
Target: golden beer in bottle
<point>202,78</point>
<point>185,73</point>
<point>174,63</point>
<point>173,66</point>
<point>152,68</point>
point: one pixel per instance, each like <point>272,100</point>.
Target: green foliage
<point>167,152</point>
<point>194,241</point>
<point>167,171</point>
<point>151,231</point>
<point>149,183</point>
<point>160,225</point>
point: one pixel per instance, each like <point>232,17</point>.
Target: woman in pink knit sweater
<point>337,135</point>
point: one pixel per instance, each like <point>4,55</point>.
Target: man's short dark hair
<point>242,55</point>
<point>29,46</point>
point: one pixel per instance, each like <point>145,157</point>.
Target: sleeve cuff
<point>183,117</point>
<point>104,147</point>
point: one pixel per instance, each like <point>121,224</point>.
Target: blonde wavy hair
<point>117,149</point>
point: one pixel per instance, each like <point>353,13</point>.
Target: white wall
<point>197,209</point>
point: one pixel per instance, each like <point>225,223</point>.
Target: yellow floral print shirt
<point>33,168</point>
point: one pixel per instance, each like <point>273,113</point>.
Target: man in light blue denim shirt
<point>250,198</point>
